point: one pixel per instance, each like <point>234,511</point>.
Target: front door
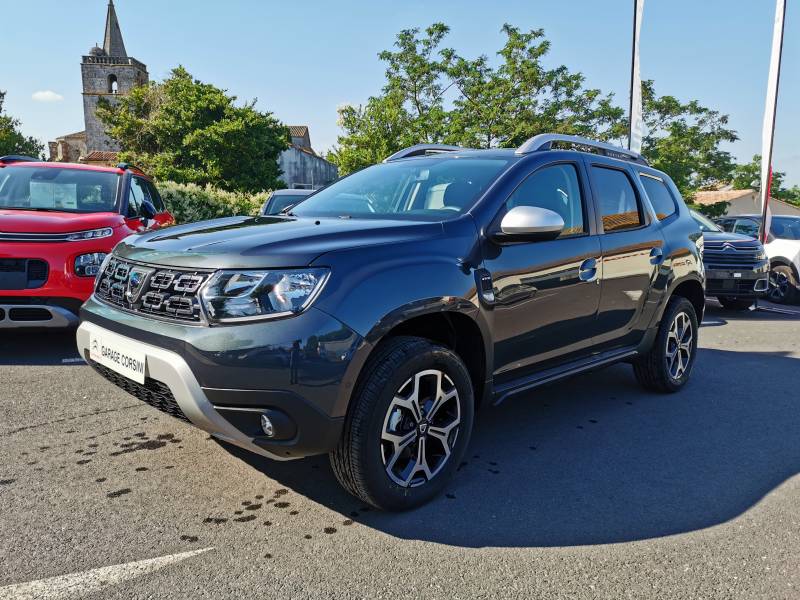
<point>546,294</point>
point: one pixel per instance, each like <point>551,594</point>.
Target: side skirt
<point>572,368</point>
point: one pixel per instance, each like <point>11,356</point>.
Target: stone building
<point>302,167</point>
<point>744,202</point>
<point>106,72</point>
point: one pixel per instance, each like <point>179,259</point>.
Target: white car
<point>783,250</point>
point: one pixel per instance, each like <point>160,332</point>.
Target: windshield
<point>51,188</point>
<point>278,202</point>
<point>423,188</point>
<point>705,223</point>
<point>785,228</point>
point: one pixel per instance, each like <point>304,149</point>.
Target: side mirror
<point>529,224</point>
<point>147,210</point>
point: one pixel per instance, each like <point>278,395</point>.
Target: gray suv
<point>375,318</point>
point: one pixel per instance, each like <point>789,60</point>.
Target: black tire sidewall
<point>386,492</point>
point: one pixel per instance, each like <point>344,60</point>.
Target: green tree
<point>506,105</point>
<point>748,175</point>
<point>434,95</point>
<point>12,141</point>
<point>371,133</point>
<point>187,131</point>
<point>683,140</point>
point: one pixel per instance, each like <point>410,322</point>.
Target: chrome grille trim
<point>158,292</point>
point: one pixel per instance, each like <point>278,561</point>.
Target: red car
<point>57,223</point>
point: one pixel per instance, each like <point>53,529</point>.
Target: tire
<point>657,370</point>
<point>735,303</point>
<point>383,417</point>
<point>782,285</point>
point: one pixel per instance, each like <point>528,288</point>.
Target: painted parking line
<point>76,585</point>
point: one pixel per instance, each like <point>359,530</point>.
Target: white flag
<point>768,131</point>
<point>636,124</point>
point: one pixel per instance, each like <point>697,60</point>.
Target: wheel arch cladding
<point>456,331</point>
<point>692,290</point>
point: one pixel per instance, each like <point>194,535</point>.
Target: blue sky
<point>303,59</point>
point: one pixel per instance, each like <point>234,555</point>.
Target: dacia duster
<point>375,317</point>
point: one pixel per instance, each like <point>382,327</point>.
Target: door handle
<point>656,256</point>
<point>588,270</point>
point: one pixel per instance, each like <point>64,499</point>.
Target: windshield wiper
<point>37,208</point>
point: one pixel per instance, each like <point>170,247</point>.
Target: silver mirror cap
<point>531,220</point>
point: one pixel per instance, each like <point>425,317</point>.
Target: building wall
<point>749,205</point>
<point>95,72</point>
<point>304,170</point>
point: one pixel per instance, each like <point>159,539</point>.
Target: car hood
<point>725,236</point>
<point>35,221</point>
<point>263,242</point>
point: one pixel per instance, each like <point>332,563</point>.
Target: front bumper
<point>737,283</point>
<point>56,302</point>
<point>34,315</point>
<point>222,379</point>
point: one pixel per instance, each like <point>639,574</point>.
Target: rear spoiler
<point>15,158</point>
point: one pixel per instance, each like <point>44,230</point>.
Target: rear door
<point>546,292</point>
<point>632,250</point>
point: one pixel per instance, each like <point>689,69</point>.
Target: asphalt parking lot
<point>587,488</point>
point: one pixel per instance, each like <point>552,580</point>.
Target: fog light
<point>266,425</point>
<point>88,265</point>
<point>762,285</point>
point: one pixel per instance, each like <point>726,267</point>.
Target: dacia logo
<point>136,283</point>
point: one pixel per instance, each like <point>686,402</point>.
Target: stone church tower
<point>106,72</point>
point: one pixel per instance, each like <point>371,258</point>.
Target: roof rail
<point>15,158</point>
<point>421,150</point>
<point>545,141</point>
<point>125,166</point>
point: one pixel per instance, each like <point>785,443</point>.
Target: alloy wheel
<point>778,286</point>
<point>420,428</point>
<point>679,345</point>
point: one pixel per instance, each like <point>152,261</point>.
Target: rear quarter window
<point>659,195</point>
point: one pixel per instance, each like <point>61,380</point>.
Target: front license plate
<point>118,354</point>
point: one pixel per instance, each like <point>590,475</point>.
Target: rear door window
<point>617,201</point>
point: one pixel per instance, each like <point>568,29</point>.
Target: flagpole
<point>770,110</point>
<point>635,98</point>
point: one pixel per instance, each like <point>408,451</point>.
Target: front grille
<point>150,290</point>
<point>731,255</point>
<point>153,392</point>
<point>731,286</point>
<point>22,273</point>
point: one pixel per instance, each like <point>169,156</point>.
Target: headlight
<point>88,265</point>
<point>231,296</point>
<point>91,234</point>
<point>762,255</point>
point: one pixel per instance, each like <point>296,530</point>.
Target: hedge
<point>189,202</point>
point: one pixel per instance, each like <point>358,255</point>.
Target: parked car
<point>280,200</point>
<point>737,268</point>
<point>403,297</point>
<point>783,250</point>
<point>58,221</point>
